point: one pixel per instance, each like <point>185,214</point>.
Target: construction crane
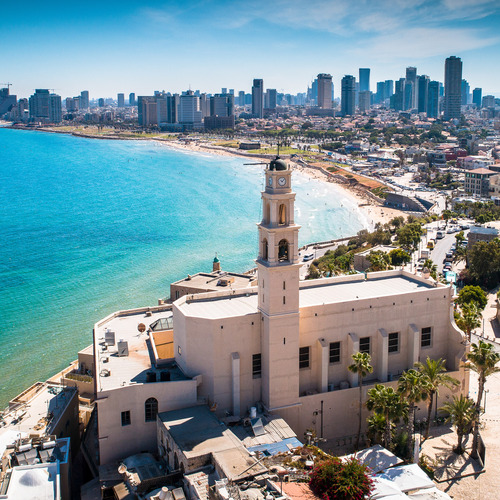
<point>8,85</point>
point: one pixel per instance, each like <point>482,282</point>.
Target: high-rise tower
<point>348,95</point>
<point>364,79</point>
<point>278,269</point>
<point>258,98</point>
<point>452,87</point>
<point>324,91</point>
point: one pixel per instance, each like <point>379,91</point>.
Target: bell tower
<point>278,276</point>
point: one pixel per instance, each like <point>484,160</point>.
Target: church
<point>283,346</point>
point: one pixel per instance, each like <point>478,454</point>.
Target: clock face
<point>270,181</point>
<point>281,181</point>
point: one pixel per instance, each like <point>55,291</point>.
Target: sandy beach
<point>374,212</point>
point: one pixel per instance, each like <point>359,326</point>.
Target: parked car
<point>309,256</point>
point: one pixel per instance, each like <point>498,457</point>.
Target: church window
<point>268,213</point>
<point>426,337</point>
<point>334,352</point>
<point>150,409</point>
<point>304,357</point>
<point>284,300</point>
<point>364,345</point>
<point>282,215</point>
<point>126,418</point>
<point>265,252</point>
<point>256,365</point>
<point>393,345</point>
<point>283,251</point>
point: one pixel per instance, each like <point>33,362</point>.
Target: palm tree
<point>483,360</point>
<point>468,320</point>
<point>413,387</point>
<point>462,414</point>
<point>387,402</point>
<point>435,372</point>
<point>362,366</point>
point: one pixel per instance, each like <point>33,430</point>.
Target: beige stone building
<point>283,345</point>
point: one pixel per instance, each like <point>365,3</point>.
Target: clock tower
<point>278,276</point>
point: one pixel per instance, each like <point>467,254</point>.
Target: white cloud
<point>421,43</point>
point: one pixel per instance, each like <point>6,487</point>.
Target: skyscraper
<point>222,105</point>
<point>411,78</point>
<point>121,100</point>
<point>271,98</point>
<point>477,96</point>
<point>364,79</point>
<point>7,101</point>
<point>423,93</point>
<point>131,99</point>
<point>45,107</point>
<point>433,100</point>
<point>452,87</point>
<point>258,98</point>
<point>465,91</point>
<point>389,88</point>
<point>324,91</point>
<point>364,101</point>
<point>348,95</point>
<point>84,100</point>
<point>147,108</point>
<point>380,95</point>
<point>189,109</point>
<point>241,97</point>
<point>398,98</point>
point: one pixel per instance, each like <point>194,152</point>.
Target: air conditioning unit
<point>122,348</point>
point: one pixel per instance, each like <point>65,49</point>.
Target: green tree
<point>399,257</point>
<point>387,402</point>
<point>361,364</point>
<point>435,372</point>
<point>413,386</point>
<point>483,359</point>
<point>343,480</point>
<point>472,294</point>
<point>484,263</point>
<point>462,415</point>
<point>468,319</point>
<point>459,237</point>
<point>409,235</point>
<point>379,261</point>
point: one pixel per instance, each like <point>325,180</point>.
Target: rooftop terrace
<point>127,357</point>
<point>312,293</point>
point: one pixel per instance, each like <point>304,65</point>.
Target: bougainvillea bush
<point>334,479</point>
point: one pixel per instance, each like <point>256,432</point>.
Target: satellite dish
<point>122,469</point>
<point>141,327</point>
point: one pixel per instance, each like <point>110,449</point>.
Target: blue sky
<point>122,46</point>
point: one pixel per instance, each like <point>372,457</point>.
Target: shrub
<point>335,479</point>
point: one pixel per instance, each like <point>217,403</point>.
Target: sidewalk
<point>482,486</point>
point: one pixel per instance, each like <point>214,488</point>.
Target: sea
<point>91,226</point>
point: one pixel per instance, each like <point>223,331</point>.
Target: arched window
<point>282,215</point>
<point>150,409</point>
<point>283,251</point>
<point>265,251</point>
<point>268,213</point>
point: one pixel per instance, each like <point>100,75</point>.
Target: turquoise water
<point>92,226</point>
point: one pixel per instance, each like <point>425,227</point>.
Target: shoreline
<point>373,211</point>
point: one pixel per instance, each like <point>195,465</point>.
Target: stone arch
<point>283,251</point>
<point>282,215</point>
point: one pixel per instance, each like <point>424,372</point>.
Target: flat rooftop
<point>38,412</point>
<point>114,371</point>
<point>199,433</point>
<point>212,281</point>
<point>320,292</point>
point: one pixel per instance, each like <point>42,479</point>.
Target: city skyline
<point>118,47</point>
